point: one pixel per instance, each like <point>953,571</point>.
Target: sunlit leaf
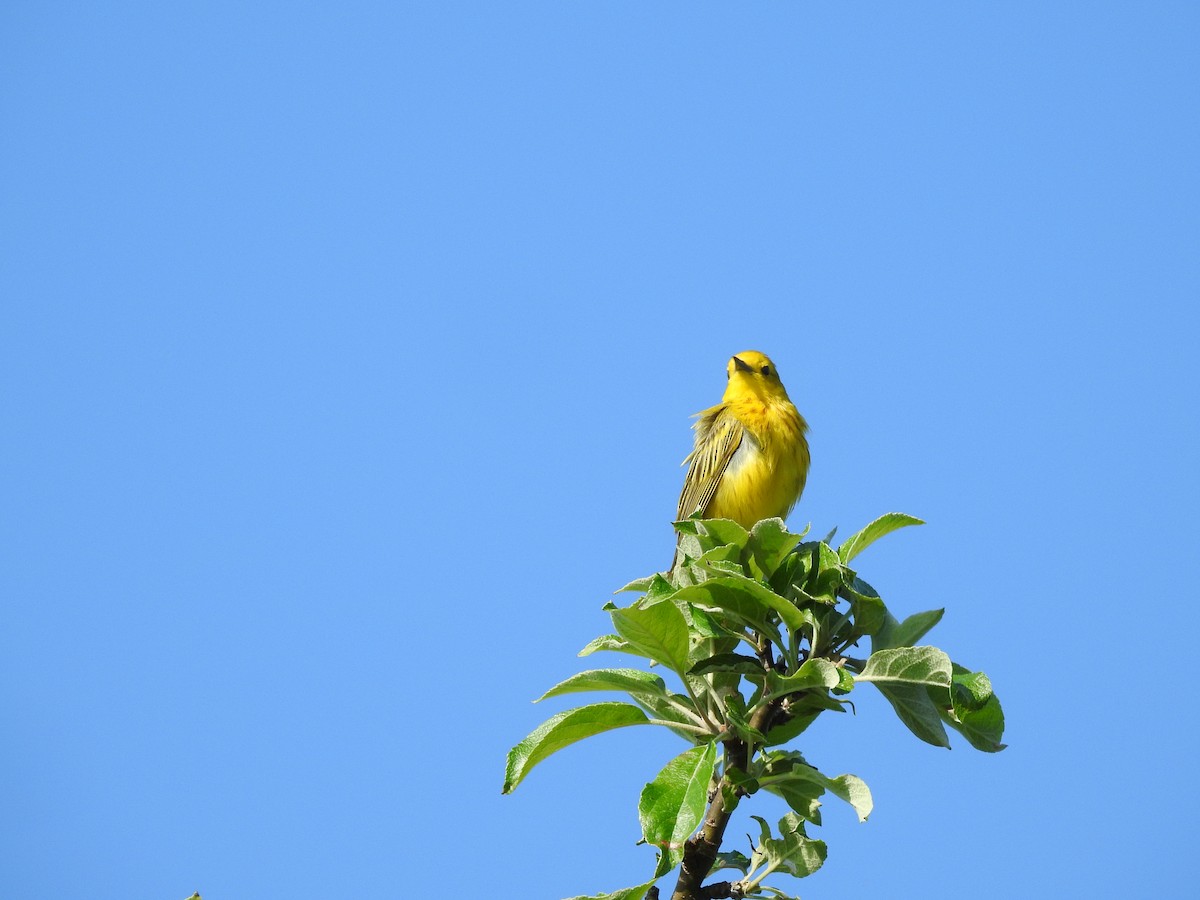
<point>608,642</point>
<point>885,524</point>
<point>678,709</point>
<point>793,851</point>
<point>826,580</point>
<point>907,665</point>
<point>638,892</point>
<point>735,592</point>
<point>564,729</point>
<point>723,560</point>
<point>672,805</point>
<point>814,673</point>
<point>784,769</point>
<point>716,532</point>
<point>732,860</point>
<point>906,633</point>
<point>659,632</point>
<point>639,584</point>
<point>631,681</point>
<point>770,542</point>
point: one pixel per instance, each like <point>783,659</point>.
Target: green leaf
<point>736,663</point>
<point>906,633</point>
<point>638,892</point>
<point>792,574</point>
<point>970,690</point>
<point>564,729</point>
<point>854,791</point>
<point>907,665</point>
<point>688,546</point>
<point>709,625</point>
<point>975,711</point>
<point>917,711</point>
<point>793,852</point>
<point>744,597</point>
<point>822,701</point>
<point>657,590</point>
<point>870,615</point>
<point>801,794</point>
<point>744,783</point>
<point>722,560</point>
<point>803,709</point>
<point>639,584</point>
<point>824,583</point>
<point>729,795</point>
<point>785,774</point>
<point>885,524</point>
<point>718,532</point>
<point>784,769</point>
<point>728,610</point>
<point>608,642</point>
<point>736,714</point>
<point>658,632</point>
<point>672,805</point>
<point>631,681</point>
<point>814,673</point>
<point>732,860</point>
<point>671,709</point>
<point>770,542</point>
<point>792,728</point>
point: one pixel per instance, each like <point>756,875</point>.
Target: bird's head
<point>753,373</point>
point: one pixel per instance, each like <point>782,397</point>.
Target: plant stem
<point>701,851</point>
<point>696,729</point>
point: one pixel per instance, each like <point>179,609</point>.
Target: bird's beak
<point>741,366</point>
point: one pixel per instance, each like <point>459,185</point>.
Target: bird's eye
<point>766,370</point>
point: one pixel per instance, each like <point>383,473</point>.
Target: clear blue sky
<point>348,352</point>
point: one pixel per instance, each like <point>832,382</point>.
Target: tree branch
<point>701,851</point>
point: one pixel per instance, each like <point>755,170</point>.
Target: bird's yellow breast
<point>766,474</point>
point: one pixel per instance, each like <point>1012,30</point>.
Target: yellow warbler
<point>751,459</point>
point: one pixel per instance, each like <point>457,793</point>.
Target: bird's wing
<point>718,434</point>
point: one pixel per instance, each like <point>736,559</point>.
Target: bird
<point>751,458</point>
